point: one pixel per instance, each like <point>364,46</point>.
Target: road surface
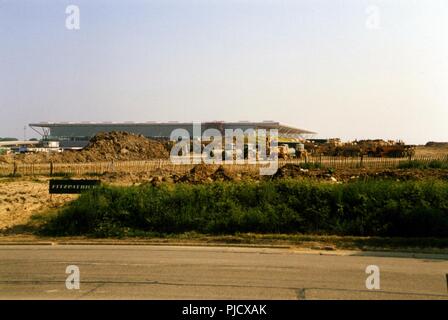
<point>185,272</point>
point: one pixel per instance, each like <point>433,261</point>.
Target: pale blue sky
<point>310,64</point>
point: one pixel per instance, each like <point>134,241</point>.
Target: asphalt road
<point>182,272</point>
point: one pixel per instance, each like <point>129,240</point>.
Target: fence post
<point>14,170</point>
<point>51,168</point>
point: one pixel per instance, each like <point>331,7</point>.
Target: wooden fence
<point>163,166</point>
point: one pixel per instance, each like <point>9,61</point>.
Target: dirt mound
<point>290,171</point>
<point>221,174</point>
<point>102,147</point>
<point>199,173</point>
<point>124,146</point>
<point>206,173</point>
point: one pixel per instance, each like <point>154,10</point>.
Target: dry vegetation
<point>432,150</point>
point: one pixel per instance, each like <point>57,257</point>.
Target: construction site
<point>126,142</point>
<point>130,158</point>
<point>228,150</point>
<point>141,148</point>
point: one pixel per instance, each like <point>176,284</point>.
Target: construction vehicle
<point>284,152</point>
<point>370,148</point>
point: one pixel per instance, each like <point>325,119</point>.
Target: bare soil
<point>19,199</point>
<point>345,175</point>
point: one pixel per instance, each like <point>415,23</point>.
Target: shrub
<point>371,208</point>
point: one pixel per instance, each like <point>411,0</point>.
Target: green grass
<point>373,208</point>
<point>311,165</point>
<point>419,164</point>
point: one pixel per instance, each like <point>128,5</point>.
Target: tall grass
<point>372,208</point>
<point>419,164</point>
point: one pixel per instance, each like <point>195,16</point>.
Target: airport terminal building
<point>77,135</point>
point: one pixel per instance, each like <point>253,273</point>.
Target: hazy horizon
<point>319,65</point>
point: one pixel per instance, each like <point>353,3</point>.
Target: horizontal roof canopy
<point>283,129</point>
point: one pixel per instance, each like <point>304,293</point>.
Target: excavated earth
<point>102,147</point>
